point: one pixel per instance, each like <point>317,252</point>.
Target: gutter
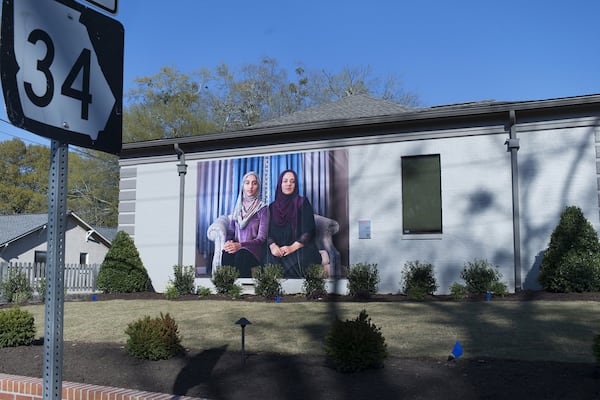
<point>512,146</point>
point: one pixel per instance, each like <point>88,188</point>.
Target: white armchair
<point>325,229</point>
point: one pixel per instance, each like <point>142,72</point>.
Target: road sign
<point>108,5</point>
<point>62,72</point>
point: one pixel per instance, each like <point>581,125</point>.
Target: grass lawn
<point>528,330</point>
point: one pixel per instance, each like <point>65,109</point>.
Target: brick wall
<point>14,387</point>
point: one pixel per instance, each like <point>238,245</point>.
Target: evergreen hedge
<point>122,270</point>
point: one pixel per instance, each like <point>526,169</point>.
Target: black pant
<point>243,260</point>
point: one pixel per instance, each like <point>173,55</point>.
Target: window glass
<point>39,257</point>
<point>421,195</point>
<point>83,258</point>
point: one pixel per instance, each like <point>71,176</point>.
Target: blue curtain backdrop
<point>219,185</point>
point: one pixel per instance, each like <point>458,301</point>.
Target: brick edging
<point>14,387</point>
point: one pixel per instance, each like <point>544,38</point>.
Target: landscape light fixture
<point>243,322</point>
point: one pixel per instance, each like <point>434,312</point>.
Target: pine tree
<point>122,270</point>
<point>572,261</point>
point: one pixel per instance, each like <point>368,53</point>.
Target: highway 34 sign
<point>62,72</point>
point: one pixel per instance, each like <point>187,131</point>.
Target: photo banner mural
<point>322,179</point>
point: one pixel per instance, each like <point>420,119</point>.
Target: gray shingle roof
<point>15,226</point>
<point>108,233</point>
<point>349,107</point>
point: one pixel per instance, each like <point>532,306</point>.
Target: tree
<point>93,182</point>
<point>166,105</point>
<point>94,186</point>
<point>23,177</point>
<point>572,261</point>
<point>173,104</point>
<point>327,86</point>
<point>257,93</point>
<point>122,270</point>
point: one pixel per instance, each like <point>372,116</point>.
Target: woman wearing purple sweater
<point>247,232</point>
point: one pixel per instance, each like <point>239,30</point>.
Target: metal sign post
<point>62,78</point>
<point>57,223</point>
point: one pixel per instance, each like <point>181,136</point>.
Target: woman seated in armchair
<point>244,246</point>
<point>291,237</point>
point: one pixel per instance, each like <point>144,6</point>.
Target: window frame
<point>410,232</point>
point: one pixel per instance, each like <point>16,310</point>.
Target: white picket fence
<point>78,278</point>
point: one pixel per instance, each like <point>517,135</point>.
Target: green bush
<point>572,261</point>
<point>171,291</point>
<point>122,270</point>
<point>204,291</point>
<point>480,276</point>
<point>183,281</point>
<point>596,348</point>
<point>41,289</point>
<point>314,282</point>
<point>355,345</point>
<point>268,280</point>
<point>418,279</point>
<point>17,327</point>
<point>363,280</point>
<point>16,287</point>
<point>499,289</point>
<point>458,291</point>
<point>235,292</point>
<point>153,338</point>
<point>224,279</point>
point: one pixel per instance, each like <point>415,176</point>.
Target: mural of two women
<point>260,231</point>
<point>286,230</point>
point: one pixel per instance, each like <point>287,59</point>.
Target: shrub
<point>204,291</point>
<point>235,292</point>
<point>499,289</point>
<point>224,279</point>
<point>153,338</point>
<point>363,280</point>
<point>572,261</point>
<point>314,282</point>
<point>418,279</point>
<point>268,280</point>
<point>17,327</point>
<point>184,279</point>
<point>458,291</point>
<point>122,270</point>
<point>171,291</point>
<point>41,289</point>
<point>355,345</point>
<point>479,276</point>
<point>596,348</point>
<point>16,287</point>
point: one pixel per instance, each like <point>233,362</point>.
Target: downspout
<point>512,146</point>
<point>182,170</point>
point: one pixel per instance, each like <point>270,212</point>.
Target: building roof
<point>358,116</point>
<point>349,107</point>
<point>17,226</point>
<point>13,227</point>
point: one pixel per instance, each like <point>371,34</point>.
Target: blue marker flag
<point>457,351</point>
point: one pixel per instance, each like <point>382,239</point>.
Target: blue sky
<point>445,52</point>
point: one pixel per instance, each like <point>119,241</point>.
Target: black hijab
<point>285,207</point>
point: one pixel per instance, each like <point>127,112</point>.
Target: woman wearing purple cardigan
<point>247,232</point>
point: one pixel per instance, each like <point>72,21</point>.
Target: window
<point>83,258</point>
<point>421,195</point>
<point>39,257</point>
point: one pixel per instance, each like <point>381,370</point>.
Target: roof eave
<point>452,115</point>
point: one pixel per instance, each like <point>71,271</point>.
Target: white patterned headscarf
<point>247,206</point>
